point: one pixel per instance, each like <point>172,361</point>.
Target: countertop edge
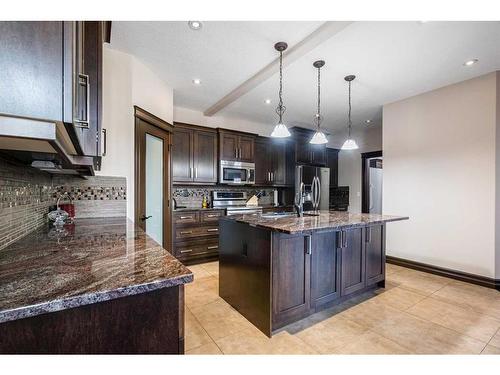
<point>70,302</point>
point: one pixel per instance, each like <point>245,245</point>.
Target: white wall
<point>440,160</point>
<point>190,116</point>
<point>128,82</point>
<point>350,175</point>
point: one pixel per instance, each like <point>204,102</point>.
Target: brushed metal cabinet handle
<point>213,215</point>
<point>186,232</point>
<point>186,251</point>
<point>213,230</point>
<point>185,217</point>
<point>212,247</point>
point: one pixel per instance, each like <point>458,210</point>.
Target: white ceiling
<point>392,61</point>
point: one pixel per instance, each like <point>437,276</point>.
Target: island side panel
<point>147,323</point>
<point>375,255</point>
<point>245,271</point>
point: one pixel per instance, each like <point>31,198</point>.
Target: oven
<point>236,173</point>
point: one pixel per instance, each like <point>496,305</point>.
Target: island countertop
<point>91,261</point>
<point>333,220</point>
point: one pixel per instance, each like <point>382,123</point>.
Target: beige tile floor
<point>417,313</point>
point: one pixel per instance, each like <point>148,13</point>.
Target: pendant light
<point>319,137</point>
<point>349,144</point>
<point>280,130</point>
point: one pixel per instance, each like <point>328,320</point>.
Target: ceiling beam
<point>318,36</point>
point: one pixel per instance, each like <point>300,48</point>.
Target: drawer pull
<point>186,251</point>
<point>213,230</point>
<point>213,215</point>
<point>187,232</point>
<point>212,247</point>
<point>185,217</point>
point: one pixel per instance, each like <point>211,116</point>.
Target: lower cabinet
<point>325,268</point>
<point>375,254</point>
<point>353,274</point>
<point>196,235</point>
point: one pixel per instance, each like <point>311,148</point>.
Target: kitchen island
<point>277,270</point>
<point>95,286</point>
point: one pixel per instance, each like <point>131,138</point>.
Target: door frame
<point>365,204</point>
<point>162,125</point>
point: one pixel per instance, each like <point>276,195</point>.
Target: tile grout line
<point>488,343</point>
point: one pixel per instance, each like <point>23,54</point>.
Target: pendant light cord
<point>319,98</point>
<point>349,117</point>
<point>281,108</point>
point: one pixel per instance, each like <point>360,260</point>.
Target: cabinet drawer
<point>186,233</point>
<point>190,250</point>
<point>186,217</point>
<point>211,216</point>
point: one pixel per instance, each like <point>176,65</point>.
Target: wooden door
<point>375,254</point>
<point>246,148</point>
<point>353,262</point>
<point>31,69</point>
<point>302,150</point>
<point>332,156</point>
<point>228,146</point>
<point>291,278</point>
<point>153,213</point>
<point>278,152</point>
<point>262,162</point>
<point>182,155</point>
<point>325,269</point>
<point>205,156</point>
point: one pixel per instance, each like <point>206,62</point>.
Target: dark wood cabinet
<point>53,71</point>
<point>375,254</point>
<point>325,269</point>
<point>194,154</point>
<point>272,162</point>
<point>236,146</point>
<point>305,152</point>
<point>291,277</point>
<point>332,162</point>
<point>353,274</point>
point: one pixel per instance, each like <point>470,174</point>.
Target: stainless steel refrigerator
<point>316,188</point>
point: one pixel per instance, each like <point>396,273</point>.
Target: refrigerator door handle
<point>318,186</point>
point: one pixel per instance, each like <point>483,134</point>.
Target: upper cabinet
<point>236,146</point>
<point>332,162</point>
<point>52,71</point>
<point>194,154</point>
<point>307,153</point>
<point>274,162</point>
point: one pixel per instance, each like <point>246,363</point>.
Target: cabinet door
<point>375,254</point>
<point>325,269</point>
<point>246,148</point>
<point>205,156</point>
<point>318,154</point>
<point>353,262</point>
<point>262,162</point>
<point>291,278</point>
<point>332,156</point>
<point>228,146</point>
<point>31,69</point>
<point>302,150</point>
<point>182,155</point>
<point>278,152</point>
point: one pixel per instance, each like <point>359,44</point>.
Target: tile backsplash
<point>26,194</point>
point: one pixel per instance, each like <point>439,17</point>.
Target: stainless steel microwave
<point>236,173</point>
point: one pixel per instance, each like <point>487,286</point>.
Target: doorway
<point>153,139</point>
<point>371,179</point>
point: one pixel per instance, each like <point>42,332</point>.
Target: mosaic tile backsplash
<point>26,195</point>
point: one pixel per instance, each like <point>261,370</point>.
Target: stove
<point>234,202</point>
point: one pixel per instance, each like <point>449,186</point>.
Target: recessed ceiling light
<point>267,101</point>
<point>194,25</point>
<point>470,62</point>
<point>368,121</point>
<point>197,81</point>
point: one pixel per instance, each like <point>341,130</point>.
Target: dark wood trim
<point>364,188</point>
<point>107,31</point>
<point>186,125</point>
<point>152,119</point>
<point>223,130</point>
<point>446,272</point>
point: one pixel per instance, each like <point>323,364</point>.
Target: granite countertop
<point>326,220</point>
<point>198,209</point>
<point>94,260</point>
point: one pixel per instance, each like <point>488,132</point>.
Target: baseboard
<point>457,275</point>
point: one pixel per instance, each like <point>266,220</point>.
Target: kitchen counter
<point>325,220</point>
<point>198,209</point>
<point>92,261</point>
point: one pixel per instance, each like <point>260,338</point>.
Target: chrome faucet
<point>299,201</point>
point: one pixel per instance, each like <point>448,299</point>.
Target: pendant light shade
<point>319,138</point>
<point>350,143</point>
<point>280,130</point>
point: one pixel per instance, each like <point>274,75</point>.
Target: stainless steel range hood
<point>27,139</point>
